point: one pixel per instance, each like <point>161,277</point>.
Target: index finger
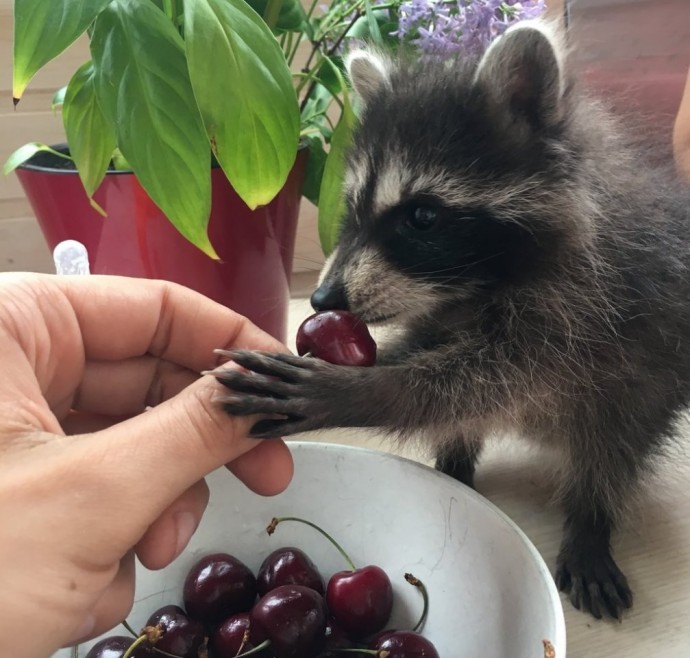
<point>121,318</point>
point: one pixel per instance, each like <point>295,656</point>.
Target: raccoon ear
<point>368,73</point>
<point>523,73</point>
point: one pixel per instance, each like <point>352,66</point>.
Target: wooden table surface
<point>653,550</point>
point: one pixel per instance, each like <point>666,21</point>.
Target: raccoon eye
<point>422,218</point>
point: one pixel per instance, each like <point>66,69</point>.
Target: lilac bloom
<point>447,27</point>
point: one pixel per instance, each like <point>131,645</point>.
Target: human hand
<point>89,475</point>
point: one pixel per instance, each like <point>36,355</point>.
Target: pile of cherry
<point>295,616</point>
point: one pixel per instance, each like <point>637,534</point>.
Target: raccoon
<point>535,270</point>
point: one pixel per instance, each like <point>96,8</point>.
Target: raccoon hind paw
<point>593,582</point>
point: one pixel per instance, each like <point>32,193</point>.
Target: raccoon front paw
<point>297,390</point>
<point>593,582</point>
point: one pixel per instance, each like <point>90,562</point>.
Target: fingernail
<point>85,630</point>
<point>185,523</point>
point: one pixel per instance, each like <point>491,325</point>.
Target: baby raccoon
<point>537,274</point>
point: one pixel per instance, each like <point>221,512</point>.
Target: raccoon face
<point>448,178</point>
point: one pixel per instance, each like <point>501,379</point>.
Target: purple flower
<point>446,27</point>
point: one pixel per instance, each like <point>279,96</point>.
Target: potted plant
<point>189,128</point>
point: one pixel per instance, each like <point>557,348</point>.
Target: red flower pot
<point>136,239</point>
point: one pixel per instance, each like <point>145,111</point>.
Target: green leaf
<point>331,201</point>
<point>318,102</point>
<point>374,30</point>
<point>58,99</point>
<point>362,28</point>
<point>315,165</point>
<point>314,114</point>
<point>120,162</point>
<point>271,13</point>
<point>89,135</point>
<point>330,74</point>
<point>250,111</point>
<point>144,91</point>
<point>292,17</point>
<point>26,152</point>
<point>42,30</point>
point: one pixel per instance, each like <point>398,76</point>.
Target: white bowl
<point>491,593</point>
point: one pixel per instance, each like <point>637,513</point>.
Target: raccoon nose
<point>329,296</point>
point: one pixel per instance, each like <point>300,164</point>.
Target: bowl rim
<point>559,639</point>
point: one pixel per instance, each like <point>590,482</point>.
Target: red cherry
<point>217,586</point>
<point>293,618</point>
<point>116,646</point>
<point>360,601</point>
<point>338,337</point>
<point>336,641</point>
<point>404,644</point>
<point>181,636</point>
<point>288,566</point>
<point>229,637</point>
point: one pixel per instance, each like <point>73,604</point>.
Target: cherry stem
<point>275,521</point>
<point>245,639</point>
<point>377,653</point>
<point>255,650</point>
<point>147,634</point>
<point>425,597</point>
<point>140,640</point>
<point>129,629</point>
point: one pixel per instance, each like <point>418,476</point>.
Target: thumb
<point>158,455</point>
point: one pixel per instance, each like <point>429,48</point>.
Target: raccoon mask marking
<point>444,196</point>
<point>537,271</point>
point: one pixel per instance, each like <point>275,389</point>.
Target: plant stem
<point>336,17</point>
<point>312,6</point>
<point>168,9</point>
<point>275,521</point>
<point>329,53</point>
<point>293,52</point>
<point>333,49</point>
<point>425,597</point>
<point>315,45</point>
<point>289,46</point>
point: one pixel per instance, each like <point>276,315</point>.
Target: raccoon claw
<point>286,366</point>
<point>594,584</point>
<point>298,393</point>
<point>270,428</point>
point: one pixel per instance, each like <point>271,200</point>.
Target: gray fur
<point>582,341</point>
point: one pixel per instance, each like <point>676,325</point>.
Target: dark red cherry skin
<point>182,636</point>
<point>288,566</point>
<point>228,638</point>
<point>338,337</point>
<point>218,586</point>
<point>360,601</point>
<point>336,640</point>
<point>404,644</point>
<point>116,646</point>
<point>293,618</point>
